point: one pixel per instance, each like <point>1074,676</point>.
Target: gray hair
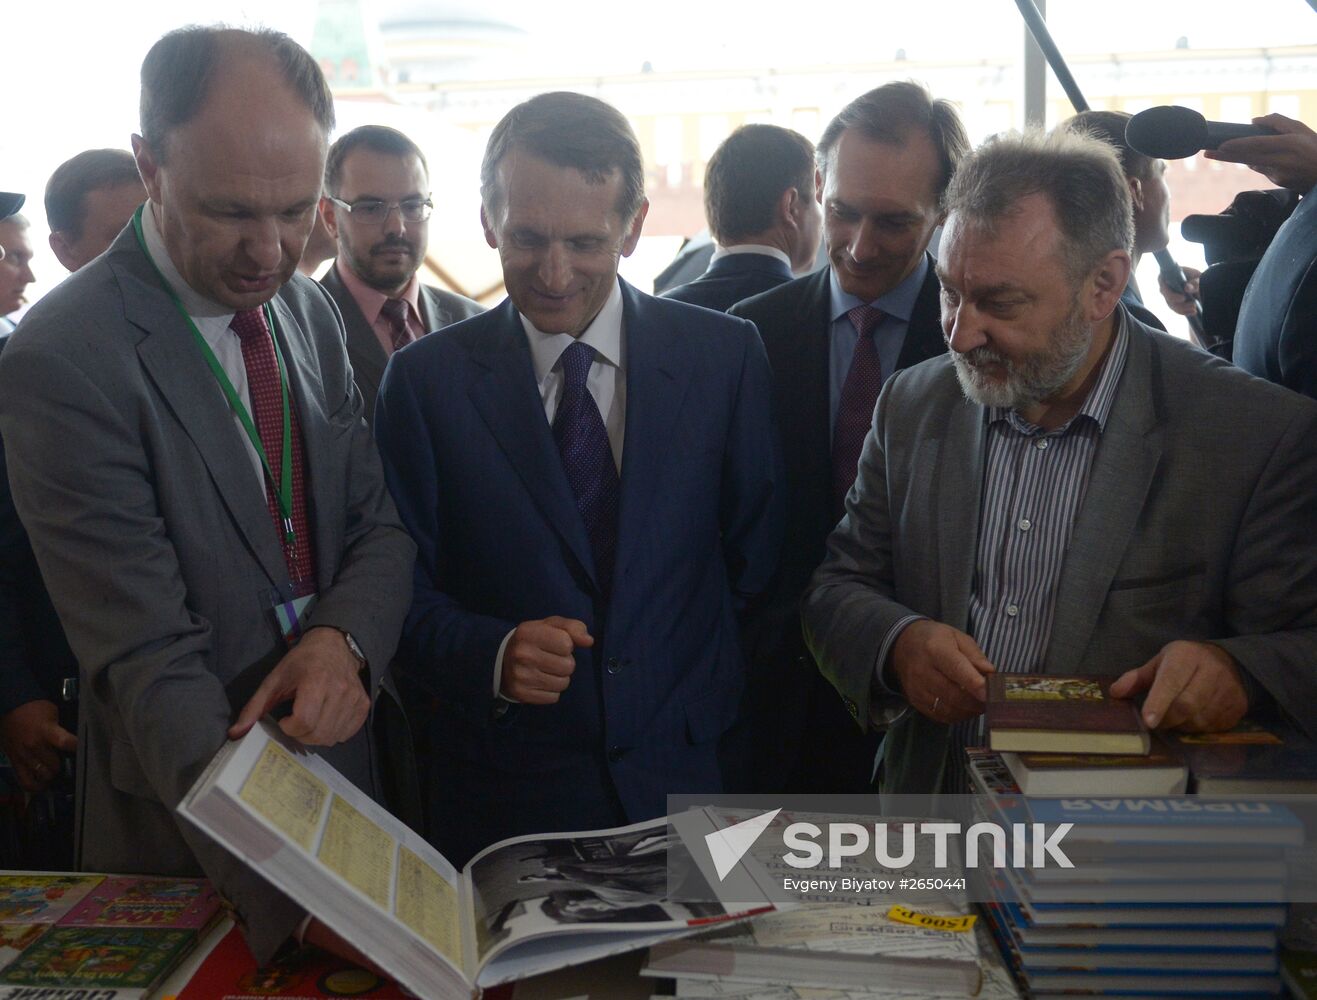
<point>1080,176</point>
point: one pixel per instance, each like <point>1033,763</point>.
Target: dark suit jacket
<point>153,535</point>
<point>1276,335</point>
<point>1196,524</point>
<point>480,484</point>
<point>730,279</point>
<point>438,310</point>
<point>818,749</point>
<point>34,654</point>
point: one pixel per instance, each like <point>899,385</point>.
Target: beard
<point>1031,379</point>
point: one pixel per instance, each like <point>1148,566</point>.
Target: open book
<point>520,907</point>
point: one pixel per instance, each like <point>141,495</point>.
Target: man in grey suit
<point>187,452</point>
<point>1066,491</point>
<point>377,206</point>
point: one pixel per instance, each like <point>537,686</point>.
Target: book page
<point>280,789</point>
<point>358,850</point>
<point>428,904</point>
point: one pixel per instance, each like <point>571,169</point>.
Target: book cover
<point>32,898</point>
<point>308,973</point>
<point>1159,772</point>
<point>125,901</point>
<point>99,957</point>
<point>1249,760</point>
<point>1046,713</point>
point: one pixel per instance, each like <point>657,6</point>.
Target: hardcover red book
<point>1053,713</point>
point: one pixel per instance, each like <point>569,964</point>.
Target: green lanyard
<point>284,484</point>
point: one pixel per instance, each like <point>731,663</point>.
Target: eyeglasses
<point>373,212</point>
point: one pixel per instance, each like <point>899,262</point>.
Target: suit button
<point>615,754</point>
<point>852,708</point>
<point>614,665</point>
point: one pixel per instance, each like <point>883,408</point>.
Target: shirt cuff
<point>880,684</point>
<point>299,935</point>
<point>498,668</point>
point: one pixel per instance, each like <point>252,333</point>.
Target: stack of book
<point>1167,897</point>
<point>839,942</point>
<point>97,935</point>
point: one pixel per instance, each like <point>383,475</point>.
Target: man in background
<point>377,206</point>
<point>762,208</point>
<point>833,338</point>
<point>89,200</point>
<point>15,268</point>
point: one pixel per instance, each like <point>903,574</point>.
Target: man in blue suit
<point>761,205</point>
<point>591,478</point>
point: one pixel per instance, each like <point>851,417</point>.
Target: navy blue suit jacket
<point>730,279</point>
<point>478,480</point>
<point>1276,335</point>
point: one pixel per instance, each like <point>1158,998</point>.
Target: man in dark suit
<point>377,206</point>
<point>833,337</point>
<point>575,603</point>
<point>763,211</point>
<point>1276,334</point>
<point>1066,491</point>
<point>145,404</point>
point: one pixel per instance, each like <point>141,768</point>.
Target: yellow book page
<point>428,904</point>
<point>286,794</point>
<point>358,850</point>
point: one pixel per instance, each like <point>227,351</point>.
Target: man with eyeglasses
<point>377,206</point>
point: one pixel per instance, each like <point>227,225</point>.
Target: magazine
<point>520,907</point>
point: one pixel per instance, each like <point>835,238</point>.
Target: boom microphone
<point>1171,132</point>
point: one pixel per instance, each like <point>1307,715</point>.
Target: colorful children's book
<point>119,901</point>
<point>31,898</point>
<point>99,958</point>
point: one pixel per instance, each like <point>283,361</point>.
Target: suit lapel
<point>655,389</point>
<point>958,494</point>
<point>173,362</point>
<point>364,351</point>
<point>923,337</point>
<point>1123,470</point>
<point>433,314</point>
<point>506,397</point>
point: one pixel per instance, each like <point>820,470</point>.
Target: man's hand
<point>1193,686</point>
<point>1182,302</point>
<point>320,674</point>
<point>1288,160</point>
<point>538,660</point>
<point>941,670</point>
<point>33,739</point>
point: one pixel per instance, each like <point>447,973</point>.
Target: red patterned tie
<point>267,411</point>
<point>394,312</point>
<point>859,393</point>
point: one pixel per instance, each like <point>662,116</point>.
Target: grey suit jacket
<point>438,309</point>
<point>1198,524</point>
<point>154,539</point>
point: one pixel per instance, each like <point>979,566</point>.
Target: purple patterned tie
<point>394,312</point>
<point>587,459</point>
<point>859,393</point>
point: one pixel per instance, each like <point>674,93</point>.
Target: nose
<point>961,328</point>
<point>864,244</point>
<point>394,223</point>
<point>554,272</point>
<point>262,244</point>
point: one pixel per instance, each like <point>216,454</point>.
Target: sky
<point>71,65</point>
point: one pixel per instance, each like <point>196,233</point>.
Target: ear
<point>1108,281</point>
<point>818,185</point>
<point>1136,193</point>
<point>62,251</point>
<point>490,236</point>
<point>633,232</point>
<point>147,167</point>
<point>329,212</point>
<point>788,208</point>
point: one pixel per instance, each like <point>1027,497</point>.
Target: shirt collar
<point>194,303</point>
<point>371,300</point>
<point>767,251</point>
<point>604,334</point>
<point>899,303</point>
<point>1098,402</point>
